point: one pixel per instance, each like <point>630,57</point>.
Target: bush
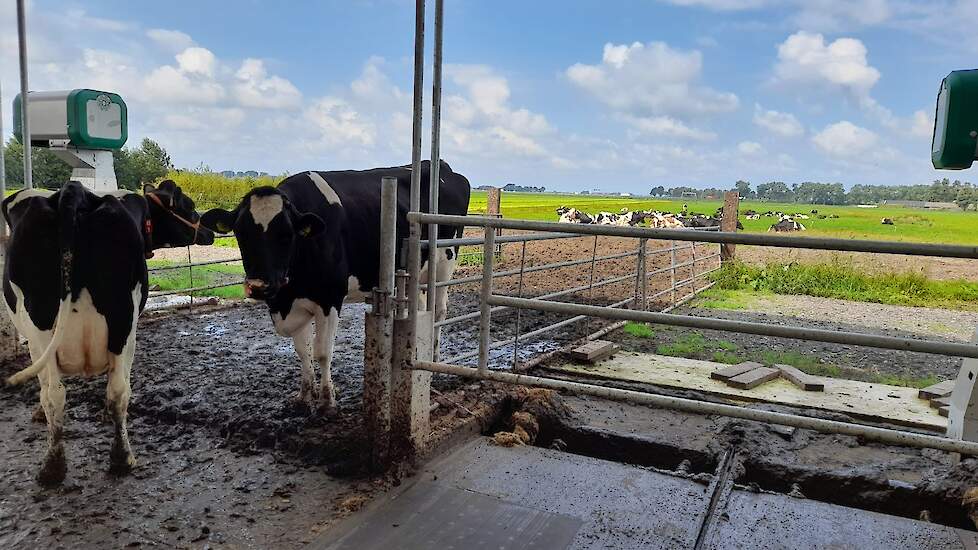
<point>209,190</point>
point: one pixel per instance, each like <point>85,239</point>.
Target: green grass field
<point>951,227</point>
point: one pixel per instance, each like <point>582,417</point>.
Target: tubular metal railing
<point>493,302</point>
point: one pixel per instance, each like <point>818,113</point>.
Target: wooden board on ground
<point>939,402</point>
<point>941,389</point>
<point>803,380</point>
<point>875,402</point>
<point>594,351</point>
<point>727,373</point>
<point>753,378</point>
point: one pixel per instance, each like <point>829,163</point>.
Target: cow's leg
<point>446,268</point>
<point>36,351</point>
<point>326,325</point>
<point>302,340</point>
<point>117,394</point>
<point>53,402</point>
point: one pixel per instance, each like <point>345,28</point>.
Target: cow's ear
<point>309,225</point>
<point>218,220</point>
<point>149,188</point>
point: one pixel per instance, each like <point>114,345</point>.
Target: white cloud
<point>845,140</point>
<point>841,14</point>
<point>339,123</point>
<point>197,60</point>
<point>721,5</point>
<point>254,88</point>
<point>806,59</point>
<point>782,124</point>
<point>749,148</point>
<point>922,125</point>
<point>668,127</point>
<point>167,84</point>
<point>170,40</point>
<point>650,79</point>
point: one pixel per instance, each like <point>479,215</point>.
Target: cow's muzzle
<point>260,290</point>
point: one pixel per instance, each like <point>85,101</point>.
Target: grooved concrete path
<point>485,496</point>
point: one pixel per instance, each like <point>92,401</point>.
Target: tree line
<point>133,165</point>
<point>962,193</point>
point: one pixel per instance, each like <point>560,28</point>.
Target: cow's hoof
<point>54,469</point>
<point>327,408</point>
<point>122,462</point>
<point>39,415</point>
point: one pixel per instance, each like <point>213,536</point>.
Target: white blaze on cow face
<point>264,209</point>
<point>325,189</point>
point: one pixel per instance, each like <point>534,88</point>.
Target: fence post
<point>641,275</point>
<point>379,328</point>
<point>728,222</point>
<point>487,264</point>
<point>494,196</point>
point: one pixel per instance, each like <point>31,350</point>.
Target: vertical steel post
<point>641,276</point>
<point>408,421</point>
<point>672,271</point>
<point>519,311</point>
<point>488,246</point>
<point>414,238</point>
<point>434,172</point>
<point>3,179</point>
<point>379,324</point>
<point>25,121</point>
<point>590,285</point>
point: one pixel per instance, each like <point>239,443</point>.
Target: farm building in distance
<point>922,204</point>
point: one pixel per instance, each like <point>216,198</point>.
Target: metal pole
<point>484,307</point>
<point>672,276</point>
<point>641,274</point>
<point>762,329</point>
<point>871,433</point>
<point>3,180</point>
<point>435,169</point>
<point>414,237</point>
<point>519,312</point>
<point>25,121</point>
<point>686,235</point>
<point>590,285</point>
<point>388,234</point>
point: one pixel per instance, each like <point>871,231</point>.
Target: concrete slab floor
<point>485,496</point>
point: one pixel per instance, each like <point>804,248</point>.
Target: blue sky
<point>615,95</point>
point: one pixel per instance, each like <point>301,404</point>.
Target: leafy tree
<point>743,189</point>
<point>658,191</point>
<point>133,166</point>
<point>47,170</point>
<point>777,191</point>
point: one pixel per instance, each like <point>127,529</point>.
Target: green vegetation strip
<point>177,279</point>
<point>838,280</point>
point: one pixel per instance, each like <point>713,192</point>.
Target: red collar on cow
<point>185,221</point>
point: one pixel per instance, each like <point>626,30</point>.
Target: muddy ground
<point>226,456</point>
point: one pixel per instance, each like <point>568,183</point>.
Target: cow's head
<point>267,227</point>
<point>175,221</point>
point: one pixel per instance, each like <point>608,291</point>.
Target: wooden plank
<point>944,411</point>
<point>594,351</point>
<point>939,402</point>
<point>803,380</point>
<point>753,378</point>
<point>728,223</point>
<point>727,373</point>
<point>941,389</point>
<point>862,400</point>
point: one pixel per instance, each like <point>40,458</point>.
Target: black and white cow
<point>74,283</point>
<point>314,241</point>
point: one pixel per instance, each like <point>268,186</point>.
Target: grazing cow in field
<point>74,283</point>
<point>787,224</point>
<point>814,211</point>
<point>606,218</point>
<point>573,215</point>
<point>659,220</point>
<point>887,221</point>
<point>314,241</point>
<point>754,216</point>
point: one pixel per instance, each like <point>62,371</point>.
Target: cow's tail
<point>71,195</point>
